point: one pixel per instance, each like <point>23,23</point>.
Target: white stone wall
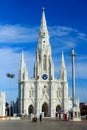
<point>2,104</point>
<point>40,92</point>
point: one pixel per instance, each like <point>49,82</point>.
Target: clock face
<point>44,76</point>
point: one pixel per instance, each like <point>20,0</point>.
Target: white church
<point>43,93</point>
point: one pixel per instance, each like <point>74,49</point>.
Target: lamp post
<point>10,76</point>
<point>73,75</point>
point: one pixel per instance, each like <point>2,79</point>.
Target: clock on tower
<point>44,76</point>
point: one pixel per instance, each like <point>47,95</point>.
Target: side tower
<point>63,73</point>
<point>64,84</point>
<point>23,78</point>
<point>44,65</point>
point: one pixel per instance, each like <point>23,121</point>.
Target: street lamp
<point>10,76</point>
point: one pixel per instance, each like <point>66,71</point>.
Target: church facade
<point>43,93</point>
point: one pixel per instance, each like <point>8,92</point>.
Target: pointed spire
<point>23,73</point>
<point>63,73</point>
<point>62,60</point>
<point>43,21</point>
<point>22,59</point>
<point>43,33</point>
<point>22,56</point>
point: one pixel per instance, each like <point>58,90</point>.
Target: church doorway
<point>45,109</point>
<point>58,108</point>
<point>31,109</point>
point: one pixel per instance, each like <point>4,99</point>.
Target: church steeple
<point>63,74</point>
<point>43,53</point>
<point>43,37</point>
<point>23,73</point>
<point>62,60</point>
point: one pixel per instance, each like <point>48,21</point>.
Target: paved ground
<point>46,124</point>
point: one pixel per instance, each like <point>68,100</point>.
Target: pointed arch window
<point>31,92</point>
<point>59,92</point>
<point>44,63</point>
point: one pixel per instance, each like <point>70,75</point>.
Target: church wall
<point>29,98</point>
<point>42,95</point>
<point>36,93</point>
<point>21,97</point>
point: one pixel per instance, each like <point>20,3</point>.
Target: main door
<point>58,108</point>
<point>45,109</point>
<point>31,109</point>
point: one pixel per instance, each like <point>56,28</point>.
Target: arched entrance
<point>45,109</point>
<point>31,109</point>
<point>58,108</point>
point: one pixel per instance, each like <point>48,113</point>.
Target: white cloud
<point>17,34</point>
<point>82,36</point>
<point>61,31</point>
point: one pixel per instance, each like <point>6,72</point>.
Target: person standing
<point>40,118</point>
<point>56,115</point>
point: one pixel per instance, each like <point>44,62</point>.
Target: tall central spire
<point>43,53</point>
<point>43,37</point>
<point>43,21</point>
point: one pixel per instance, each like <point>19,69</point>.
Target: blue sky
<point>19,27</point>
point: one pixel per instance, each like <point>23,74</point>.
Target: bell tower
<point>44,67</point>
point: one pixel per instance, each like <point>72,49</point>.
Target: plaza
<point>46,124</point>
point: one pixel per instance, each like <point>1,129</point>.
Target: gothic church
<point>43,93</point>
